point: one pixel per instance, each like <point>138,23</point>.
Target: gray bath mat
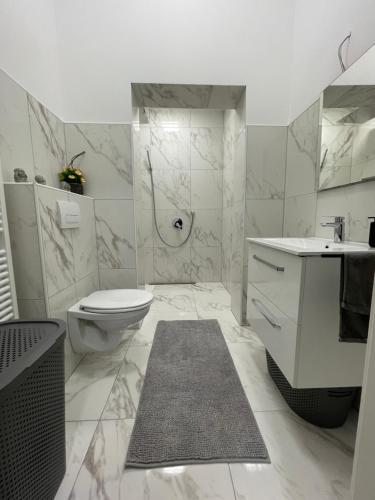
<point>193,408</point>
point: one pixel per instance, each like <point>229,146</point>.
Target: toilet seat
<point>116,301</point>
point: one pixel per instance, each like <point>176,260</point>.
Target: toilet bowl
<point>97,322</point>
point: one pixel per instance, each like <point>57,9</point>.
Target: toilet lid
<point>116,300</point>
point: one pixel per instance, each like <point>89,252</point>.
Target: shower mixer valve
<point>177,223</point>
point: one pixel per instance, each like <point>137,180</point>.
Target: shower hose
<point>154,211</point>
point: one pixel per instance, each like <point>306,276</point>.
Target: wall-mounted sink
<point>310,246</point>
<point>293,303</point>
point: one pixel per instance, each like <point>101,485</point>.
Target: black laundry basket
<point>32,410</point>
<point>322,407</point>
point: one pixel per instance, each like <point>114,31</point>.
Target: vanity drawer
<point>277,332</point>
<point>277,275</point>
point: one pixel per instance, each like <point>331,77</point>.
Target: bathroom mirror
<point>347,126</point>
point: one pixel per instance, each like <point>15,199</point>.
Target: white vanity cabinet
<point>293,304</point>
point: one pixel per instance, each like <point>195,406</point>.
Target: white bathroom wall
<point>301,174</point>
<point>234,188</point>
<point>108,168</point>
<point>31,137</point>
<point>305,207</point>
<point>54,267</point>
<point>28,49</point>
<point>319,27</point>
<point>186,149</point>
<point>104,46</point>
<point>258,44</point>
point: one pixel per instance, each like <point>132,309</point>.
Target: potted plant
<point>73,176</point>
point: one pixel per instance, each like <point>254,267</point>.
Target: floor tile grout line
<point>84,458</point>
<point>118,371</point>
<point>232,481</point>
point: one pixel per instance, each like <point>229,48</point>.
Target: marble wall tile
<point>205,264</point>
<point>48,141</point>
<point>57,242</point>
<point>148,265</point>
<point>170,148</point>
<point>87,285</point>
<point>206,189</point>
<point>172,188</point>
<point>264,218</point>
<point>31,308</point>
<point>171,95</point>
<point>363,158</point>
<point>115,233</point>
<point>239,174</point>
<point>338,141</point>
<point>23,231</point>
<point>170,234</point>
<point>145,229</point>
<point>58,306</point>
<point>117,278</point>
<point>187,96</point>
<point>302,154</point>
<point>206,148</point>
<point>168,117</point>
<point>355,203</point>
<point>108,159</point>
<point>84,238</point>
<point>207,229</point>
<point>299,216</point>
<point>266,162</point>
<point>330,203</point>
<point>15,139</point>
<point>172,265</point>
<point>207,118</point>
<point>172,141</point>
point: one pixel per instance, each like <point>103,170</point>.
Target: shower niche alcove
<point>189,163</point>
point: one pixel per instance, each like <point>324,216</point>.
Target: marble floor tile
<point>102,469</point>
<point>78,438</point>
<point>232,331</point>
<point>346,434</point>
<point>120,403</point>
<point>135,364</point>
<point>145,335</point>
<point>260,389</point>
<point>211,297</point>
<point>87,390</point>
<point>173,299</point>
<point>305,464</point>
<point>194,482</point>
<point>103,476</point>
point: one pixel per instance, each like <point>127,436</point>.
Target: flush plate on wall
<point>69,214</point>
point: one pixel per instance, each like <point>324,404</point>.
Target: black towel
<point>357,277</point>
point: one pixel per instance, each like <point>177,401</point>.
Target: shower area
<point>189,159</point>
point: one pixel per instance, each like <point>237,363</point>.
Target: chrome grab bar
<point>265,313</point>
<point>269,264</point>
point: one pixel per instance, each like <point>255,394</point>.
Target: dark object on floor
<point>357,277</point>
<point>322,407</point>
<point>32,409</point>
<point>193,408</point>
<point>19,175</point>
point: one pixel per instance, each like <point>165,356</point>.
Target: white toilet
<point>96,323</point>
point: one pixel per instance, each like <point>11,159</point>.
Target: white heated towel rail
<point>8,298</point>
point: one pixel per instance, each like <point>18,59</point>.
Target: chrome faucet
<point>338,227</point>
